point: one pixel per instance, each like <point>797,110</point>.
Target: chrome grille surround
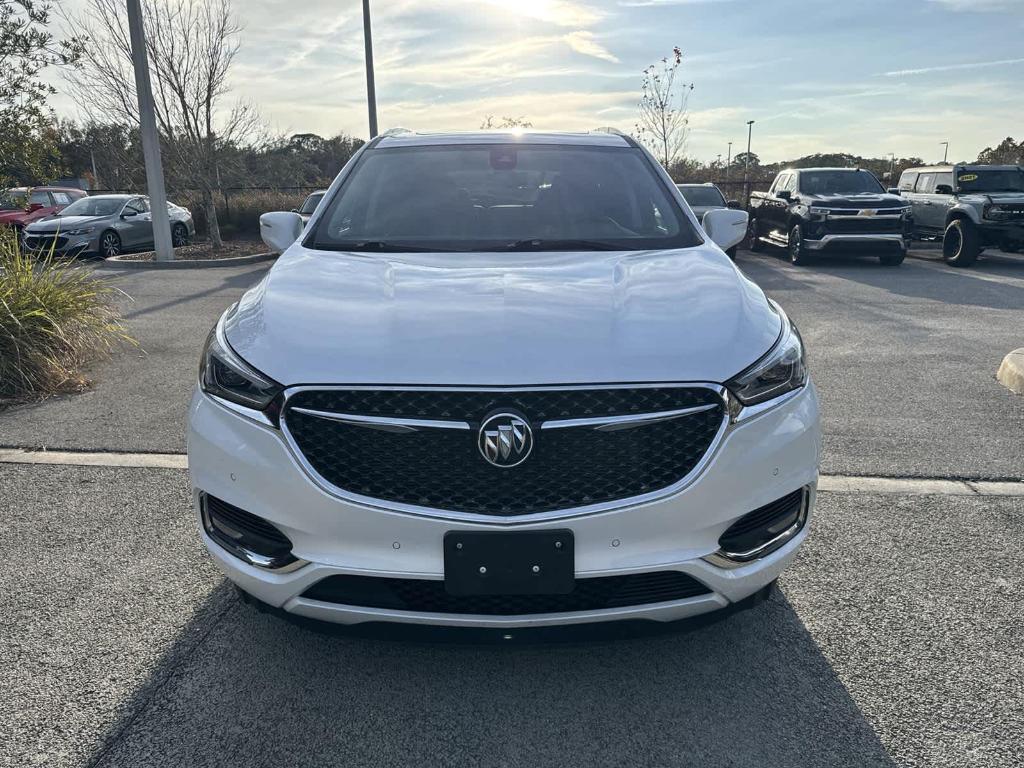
<point>406,424</point>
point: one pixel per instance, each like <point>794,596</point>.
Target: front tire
<point>755,241</point>
<point>110,244</point>
<point>961,244</point>
<point>798,254</point>
<point>179,235</point>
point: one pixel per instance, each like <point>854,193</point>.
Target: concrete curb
<point>1011,372</point>
<point>120,262</point>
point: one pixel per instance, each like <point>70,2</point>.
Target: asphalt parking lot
<point>894,639</point>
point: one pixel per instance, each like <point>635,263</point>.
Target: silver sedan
<point>107,225</point>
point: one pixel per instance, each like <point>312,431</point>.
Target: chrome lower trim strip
<point>497,520</point>
<point>615,423</point>
<point>383,423</point>
<point>827,240</point>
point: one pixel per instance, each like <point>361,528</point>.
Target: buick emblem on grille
<point>505,440</point>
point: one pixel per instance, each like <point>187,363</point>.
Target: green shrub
<point>56,318</point>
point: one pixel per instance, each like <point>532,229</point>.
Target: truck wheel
<point>755,242</point>
<point>961,244</point>
<point>893,259</point>
<point>797,253</point>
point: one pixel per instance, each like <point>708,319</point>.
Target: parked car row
<point>105,225</point>
<point>811,211</point>
<point>23,205</point>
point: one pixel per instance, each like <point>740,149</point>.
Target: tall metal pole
<point>95,176</point>
<point>945,152</point>
<point>892,166</point>
<point>728,163</point>
<point>371,91</point>
<point>746,162</point>
<point>150,137</point>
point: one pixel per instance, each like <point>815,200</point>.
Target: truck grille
<point>871,225</point>
<point>444,469</point>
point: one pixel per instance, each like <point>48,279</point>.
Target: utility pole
<point>892,167</point>
<point>945,152</point>
<point>371,91</point>
<point>150,137</point>
<point>728,163</point>
<point>746,162</point>
<point>95,176</point>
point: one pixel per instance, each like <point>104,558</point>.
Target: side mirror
<point>734,204</point>
<point>943,189</point>
<point>128,214</point>
<point>295,210</point>
<point>725,226</point>
<point>33,207</point>
<point>280,229</point>
<point>784,194</point>
<point>893,190</point>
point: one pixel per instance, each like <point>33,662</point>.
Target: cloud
<point>585,43</point>
<point>661,3</point>
<point>952,67</point>
<point>562,13</point>
<point>979,5</point>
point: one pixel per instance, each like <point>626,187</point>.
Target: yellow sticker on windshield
<point>968,177</point>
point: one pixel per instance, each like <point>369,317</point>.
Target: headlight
<point>994,211</point>
<point>819,211</point>
<point>224,374</point>
<point>783,369</point>
<point>81,231</point>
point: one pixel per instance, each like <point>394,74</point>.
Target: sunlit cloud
<point>585,43</point>
<point>953,67</point>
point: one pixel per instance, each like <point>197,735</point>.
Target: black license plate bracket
<point>509,562</point>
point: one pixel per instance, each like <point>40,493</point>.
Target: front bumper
<point>252,466</point>
<point>61,245</point>
<point>827,241</point>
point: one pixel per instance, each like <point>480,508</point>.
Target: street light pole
<point>371,91</point>
<point>945,152</point>
<point>150,137</point>
<point>746,162</point>
<point>892,166</point>
<point>728,163</point>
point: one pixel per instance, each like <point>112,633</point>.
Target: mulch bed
<point>203,252</point>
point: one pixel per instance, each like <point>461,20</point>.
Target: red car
<point>23,205</point>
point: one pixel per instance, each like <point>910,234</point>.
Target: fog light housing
<point>246,536</point>
<point>761,532</point>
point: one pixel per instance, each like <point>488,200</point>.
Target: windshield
<point>839,183</point>
<point>1001,180</point>
<point>705,196</point>
<point>311,202</point>
<point>94,206</point>
<point>495,197</point>
<point>12,200</point>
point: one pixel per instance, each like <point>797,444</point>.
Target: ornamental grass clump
<point>56,318</point>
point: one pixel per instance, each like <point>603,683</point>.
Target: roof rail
<point>607,129</point>
<point>397,131</point>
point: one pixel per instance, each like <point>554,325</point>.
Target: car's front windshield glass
<point>996,180</point>
<point>487,197</point>
<point>839,183</point>
<point>12,200</point>
<point>94,206</point>
<point>311,202</point>
<point>703,196</point>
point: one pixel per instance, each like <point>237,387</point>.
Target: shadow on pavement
<point>751,690</point>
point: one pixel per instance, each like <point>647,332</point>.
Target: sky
<point>868,77</point>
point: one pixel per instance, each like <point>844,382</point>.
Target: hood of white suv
<point>502,318</point>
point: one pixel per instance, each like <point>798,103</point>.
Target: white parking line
<point>900,486</point>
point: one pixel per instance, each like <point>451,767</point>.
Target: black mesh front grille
<point>443,468</point>
<point>864,226</point>
<point>748,532</point>
<point>430,596</point>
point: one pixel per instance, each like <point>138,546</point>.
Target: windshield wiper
<point>542,244</point>
<point>378,246</point>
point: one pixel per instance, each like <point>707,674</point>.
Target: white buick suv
<point>503,380</point>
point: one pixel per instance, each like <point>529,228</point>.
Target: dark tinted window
<point>996,180</point>
<point>703,196</point>
<point>487,197</point>
<point>907,180</point>
<point>311,202</point>
<point>839,183</point>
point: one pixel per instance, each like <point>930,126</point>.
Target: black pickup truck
<point>811,210</point>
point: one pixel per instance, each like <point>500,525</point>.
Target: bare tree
<point>191,45</point>
<point>664,121</point>
<point>489,123</point>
